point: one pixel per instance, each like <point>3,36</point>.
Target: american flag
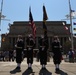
<point>31,22</point>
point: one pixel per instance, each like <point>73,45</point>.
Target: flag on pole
<point>72,10</point>
<point>74,29</point>
<point>73,13</point>
<point>74,34</point>
<point>45,17</point>
<point>31,22</point>
<point>66,28</point>
<point>44,21</point>
<point>74,23</point>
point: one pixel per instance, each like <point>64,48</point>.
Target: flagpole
<point>1,11</point>
<point>72,46</point>
<point>0,20</point>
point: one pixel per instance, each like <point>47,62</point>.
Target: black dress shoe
<point>44,68</point>
<point>29,68</point>
<point>57,69</point>
<point>18,68</point>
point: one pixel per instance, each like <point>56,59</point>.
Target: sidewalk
<point>66,68</point>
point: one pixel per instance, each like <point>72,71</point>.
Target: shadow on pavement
<point>61,72</point>
<point>44,72</point>
<point>28,72</point>
<point>15,71</point>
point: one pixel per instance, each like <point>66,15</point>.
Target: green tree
<point>67,46</point>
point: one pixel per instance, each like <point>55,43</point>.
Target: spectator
<point>71,55</point>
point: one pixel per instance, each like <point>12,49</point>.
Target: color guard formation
<point>43,48</point>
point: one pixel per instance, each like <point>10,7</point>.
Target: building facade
<point>22,28</point>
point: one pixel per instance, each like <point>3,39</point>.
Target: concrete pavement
<point>66,68</point>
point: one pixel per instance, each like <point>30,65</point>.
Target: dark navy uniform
<point>43,42</point>
<point>30,46</point>
<point>19,48</point>
<point>56,52</point>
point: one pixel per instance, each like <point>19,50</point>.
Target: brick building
<point>23,28</point>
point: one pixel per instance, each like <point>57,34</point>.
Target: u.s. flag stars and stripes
<point>31,22</point>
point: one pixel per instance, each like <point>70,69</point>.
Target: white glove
<point>15,45</point>
<point>29,48</point>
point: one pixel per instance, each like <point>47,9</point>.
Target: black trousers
<point>43,57</point>
<point>57,58</point>
<point>30,56</point>
<point>18,55</point>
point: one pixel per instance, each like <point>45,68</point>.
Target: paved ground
<point>7,68</point>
